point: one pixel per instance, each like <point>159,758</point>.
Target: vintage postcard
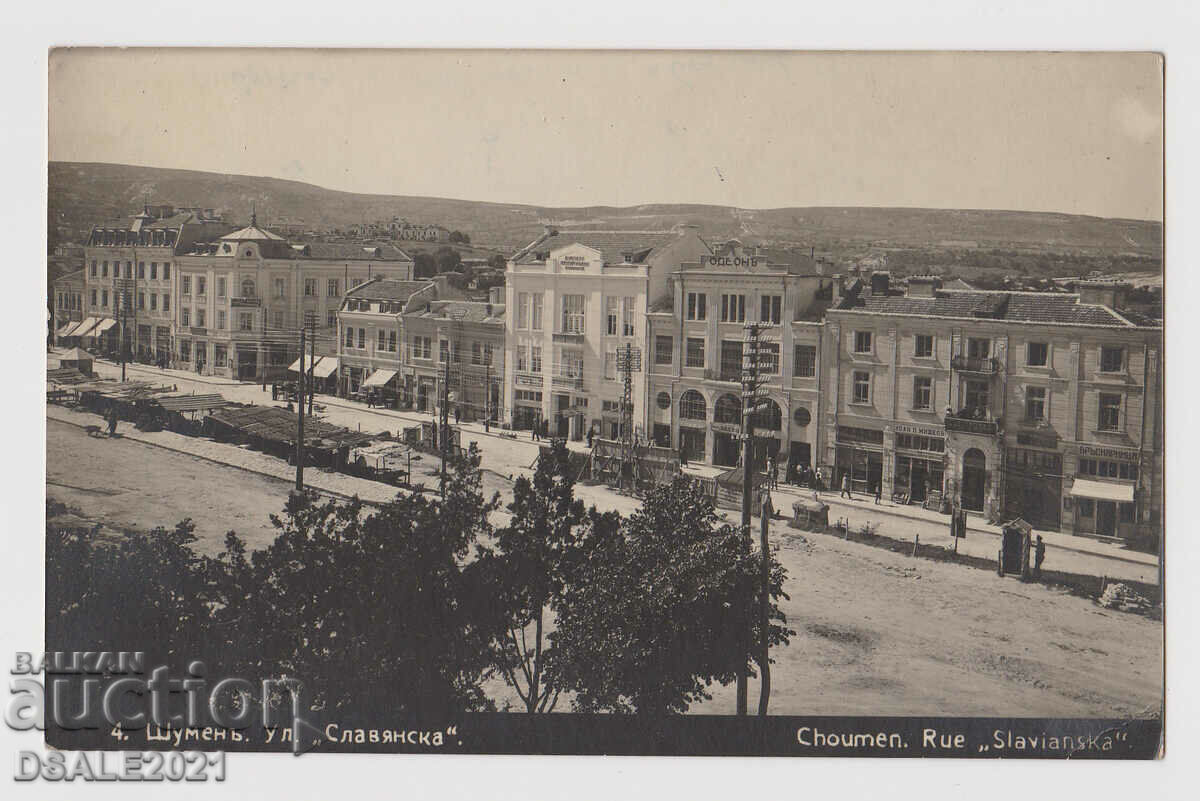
<point>658,403</point>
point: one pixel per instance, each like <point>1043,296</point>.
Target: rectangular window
<point>245,321</point>
<point>349,337</point>
<point>129,269</point>
<point>141,300</point>
<point>626,317</point>
<point>664,350</point>
<point>610,316</point>
<point>166,271</point>
<point>1037,354</point>
<point>537,311</point>
<point>185,316</point>
<point>93,273</point>
<point>141,269</point>
<point>772,309</point>
<point>695,352</point>
<point>331,288</point>
<point>201,285</point>
<point>331,318</point>
<point>166,303</point>
<point>572,314</point>
<point>153,271</point>
<point>977,396</point>
<point>862,387</point>
<point>220,287</point>
<point>731,360</point>
<point>1110,412</point>
<point>280,287</point>
<point>277,320</point>
<point>535,359</point>
<point>923,347</point>
<point>200,317</point>
<point>1035,403</point>
<point>768,358</point>
<point>362,339</point>
<point>862,341</point>
<point>1112,360</point>
<point>979,348</point>
<point>487,354</point>
<point>443,350</point>
<point>610,365</point>
<point>104,298</point>
<point>733,308</point>
<point>805,361</point>
<point>1127,510</point>
<point>391,342</point>
<point>522,358</point>
<point>220,355</point>
<point>922,392</point>
<point>697,306</point>
<point>382,340</point>
<point>185,285</point>
<point>476,353</point>
<point>104,270</point>
<point>310,287</point>
<point>522,310</point>
<point>185,350</point>
<point>93,297</point>
<point>220,319</point>
<point>153,302</point>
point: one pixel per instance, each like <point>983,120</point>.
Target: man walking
<point>846,486</point>
<point>878,491</point>
<point>1039,555</point>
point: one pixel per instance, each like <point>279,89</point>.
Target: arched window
<point>769,418</point>
<point>248,288</point>
<point>692,406</point>
<point>728,410</point>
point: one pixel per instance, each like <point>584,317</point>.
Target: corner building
<point>1045,406</point>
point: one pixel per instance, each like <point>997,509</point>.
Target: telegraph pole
<point>312,359</point>
<point>629,361</point>
<point>300,419</point>
<point>445,415</point>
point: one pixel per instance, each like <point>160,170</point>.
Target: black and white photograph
<point>644,402</point>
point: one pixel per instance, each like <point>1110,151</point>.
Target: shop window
<point>1037,354</point>
<point>1086,507</point>
<point>1127,512</point>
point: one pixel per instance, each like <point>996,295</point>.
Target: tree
<point>458,237</point>
<point>379,611</point>
<point>447,260</point>
<point>545,514</point>
<point>658,606</point>
<point>424,265</point>
<point>497,262</point>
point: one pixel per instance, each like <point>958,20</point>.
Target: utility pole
<point>312,359</point>
<point>629,361</point>
<point>445,415</point>
<point>300,419</point>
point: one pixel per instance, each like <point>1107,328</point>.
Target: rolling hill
<point>84,194</point>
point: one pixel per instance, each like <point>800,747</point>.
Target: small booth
<point>809,514</point>
<point>78,359</point>
<point>1013,558</point>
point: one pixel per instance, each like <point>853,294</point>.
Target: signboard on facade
<point>1036,440</point>
<point>730,261</point>
<point>925,431</point>
<point>570,262</point>
<point>1108,453</point>
<point>727,428</point>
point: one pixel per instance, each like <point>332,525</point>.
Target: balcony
<point>524,378</point>
<point>198,330</point>
<point>572,337</point>
<point>981,365</point>
<point>245,302</point>
<point>574,382</point>
<point>966,424</point>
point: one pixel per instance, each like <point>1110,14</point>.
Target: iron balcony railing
<point>970,425</point>
<point>985,365</point>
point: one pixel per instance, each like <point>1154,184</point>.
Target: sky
<point>1076,133</point>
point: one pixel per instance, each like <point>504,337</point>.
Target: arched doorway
<point>693,413</point>
<point>726,446</point>
<point>974,480</point>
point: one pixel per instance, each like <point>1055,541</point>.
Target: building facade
<point>1045,406</point>
<point>135,258</point>
<point>67,305</point>
<point>696,343</point>
<point>240,300</point>
<point>455,352</point>
<point>572,300</point>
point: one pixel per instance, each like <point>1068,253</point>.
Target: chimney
<point>923,286</point>
<point>880,281</point>
<point>838,288</point>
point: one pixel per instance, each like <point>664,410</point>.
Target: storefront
<point>692,442</point>
<point>859,454</point>
<point>727,445</point>
<point>1104,491</point>
<point>1033,486</point>
<point>920,467</point>
<point>527,408</point>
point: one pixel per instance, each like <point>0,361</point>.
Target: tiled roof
<point>340,251</point>
<point>387,289</point>
<point>466,311</point>
<point>1028,307</point>
<point>613,245</point>
<point>252,233</point>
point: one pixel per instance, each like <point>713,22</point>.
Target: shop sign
<point>1108,453</point>
<point>573,262</point>
<point>730,261</point>
<point>1037,440</point>
<point>925,431</point>
<point>727,428</point>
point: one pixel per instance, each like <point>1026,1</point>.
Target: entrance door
<point>564,416</point>
<point>1106,518</point>
<point>974,479</point>
<point>800,454</point>
<point>918,481</point>
<point>247,364</point>
<point>725,449</point>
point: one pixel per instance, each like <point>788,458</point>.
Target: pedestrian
<point>435,439</point>
<point>774,473</point>
<point>112,421</point>
<point>1039,556</point>
<point>457,415</point>
<point>591,437</point>
<point>846,486</point>
<point>878,491</point>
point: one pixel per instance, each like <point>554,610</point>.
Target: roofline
<point>1120,324</point>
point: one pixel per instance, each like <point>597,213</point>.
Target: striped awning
<point>1102,490</point>
<point>379,378</point>
<point>82,328</point>
<point>326,367</point>
<point>102,326</point>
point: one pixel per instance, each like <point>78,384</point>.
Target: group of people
<point>848,489</point>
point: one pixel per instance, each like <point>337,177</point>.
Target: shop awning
<point>379,378</point>
<point>1102,491</point>
<point>102,326</point>
<point>295,366</point>
<point>82,328</point>
<point>325,367</point>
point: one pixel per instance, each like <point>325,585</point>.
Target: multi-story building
<point>1046,406</point>
<point>134,258</point>
<point>696,334</point>
<point>573,298</point>
<point>67,303</point>
<point>371,336</point>
<point>455,351</point>
<point>240,300</point>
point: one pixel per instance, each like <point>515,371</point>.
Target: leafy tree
<point>374,611</point>
<point>658,606</point>
<point>424,265</point>
<point>545,514</point>
<point>458,237</point>
<point>447,259</point>
<point>497,262</point>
